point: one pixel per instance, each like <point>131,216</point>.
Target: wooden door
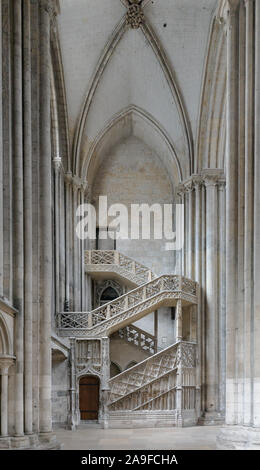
<point>89,398</point>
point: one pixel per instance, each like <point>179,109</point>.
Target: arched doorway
<point>89,398</point>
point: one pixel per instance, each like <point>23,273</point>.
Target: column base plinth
<point>20,442</point>
<point>238,438</point>
<point>5,442</point>
<point>48,440</point>
<point>211,418</point>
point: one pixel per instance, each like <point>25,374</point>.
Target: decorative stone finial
<point>135,15</point>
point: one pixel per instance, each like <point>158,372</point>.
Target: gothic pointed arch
<point>211,138</point>
<point>166,70</point>
<point>60,128</point>
<point>5,341</point>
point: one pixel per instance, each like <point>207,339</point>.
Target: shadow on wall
<point>115,369</point>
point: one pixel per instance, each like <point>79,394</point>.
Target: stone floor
<point>194,438</point>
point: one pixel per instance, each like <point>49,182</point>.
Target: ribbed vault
<point>121,58</point>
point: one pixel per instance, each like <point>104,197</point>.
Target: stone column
<point>190,233</point>
<point>80,247</point>
<point>202,296</point>
<point>73,421</point>
<point>7,143</point>
<point>222,294</point>
<point>75,246</point>
<point>180,254</point>
<point>179,320</point>
<point>68,179</point>
<point>18,225</point>
<point>89,246</point>
<point>83,249</point>
<point>197,180</point>
<point>1,168</point>
<point>179,389</point>
<point>45,418</point>
<point>256,267</point>
<point>4,366</point>
<point>105,356</point>
<point>212,321</point>
<point>231,206</point>
<point>82,256</point>
<point>232,213</point>
<point>239,385</point>
<point>28,313</point>
<point>156,331</point>
<point>57,167</point>
<point>249,212</point>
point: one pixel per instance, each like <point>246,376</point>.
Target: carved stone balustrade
<point>165,383</point>
<point>139,338</point>
<point>113,262</point>
<point>165,290</point>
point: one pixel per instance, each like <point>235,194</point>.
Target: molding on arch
<point>171,80</point>
<point>60,92</point>
<point>5,339</point>
<point>105,57</point>
<point>102,63</point>
<point>89,370</point>
<point>130,110</point>
<point>210,141</point>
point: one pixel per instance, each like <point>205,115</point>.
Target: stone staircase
<point>139,338</point>
<point>159,391</point>
<point>112,262</point>
<point>164,290</point>
<point>162,389</point>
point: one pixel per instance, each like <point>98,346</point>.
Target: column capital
<point>57,163</point>
<point>51,6</point>
<point>197,181</point>
<point>85,188</point>
<point>211,177</point>
<point>6,362</point>
<point>76,183</point>
<point>180,189</point>
<point>225,9</point>
<point>222,184</point>
<point>247,2</point>
<point>68,177</point>
<point>232,4</point>
<point>80,184</point>
<point>188,185</point>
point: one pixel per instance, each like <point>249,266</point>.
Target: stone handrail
<point>153,378</point>
<point>107,259</point>
<point>129,307</point>
<point>138,337</point>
